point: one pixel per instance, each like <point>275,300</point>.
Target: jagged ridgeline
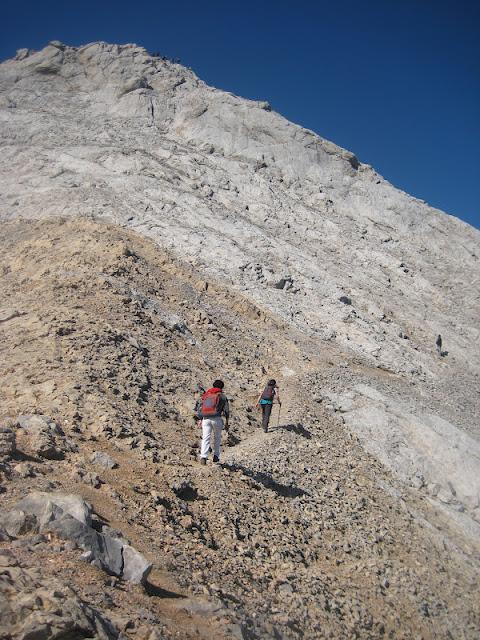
<point>157,234</point>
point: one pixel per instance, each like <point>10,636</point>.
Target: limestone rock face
<point>426,451</point>
<point>111,131</point>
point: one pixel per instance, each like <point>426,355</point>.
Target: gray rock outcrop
<point>17,523</point>
<point>425,451</point>
<point>135,567</point>
<point>48,506</point>
<point>69,517</point>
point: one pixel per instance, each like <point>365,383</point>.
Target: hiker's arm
<point>258,401</point>
<point>226,412</point>
<point>277,398</point>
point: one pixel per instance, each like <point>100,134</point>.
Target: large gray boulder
<point>68,516</point>
<point>42,504</point>
<point>103,550</point>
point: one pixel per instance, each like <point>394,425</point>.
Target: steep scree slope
<point>298,533</point>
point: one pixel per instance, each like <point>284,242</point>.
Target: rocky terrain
<point>297,532</point>
<point>156,234</point>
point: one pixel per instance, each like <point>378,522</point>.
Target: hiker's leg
<point>206,437</point>
<point>269,413</point>
<point>218,426</point>
<point>267,410</point>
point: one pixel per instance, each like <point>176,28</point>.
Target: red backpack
<point>210,405</point>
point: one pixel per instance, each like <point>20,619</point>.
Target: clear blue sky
<point>395,81</point>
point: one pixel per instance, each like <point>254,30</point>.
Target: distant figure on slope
<point>438,344</point>
<point>209,409</point>
<point>266,400</point>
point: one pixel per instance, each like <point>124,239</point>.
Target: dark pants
<point>266,412</point>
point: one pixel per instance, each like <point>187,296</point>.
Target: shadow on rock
<point>299,429</point>
<point>21,456</point>
<point>184,489</point>
<point>155,591</point>
<point>284,490</point>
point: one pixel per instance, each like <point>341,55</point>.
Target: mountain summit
<point>297,222</point>
<point>145,212</point>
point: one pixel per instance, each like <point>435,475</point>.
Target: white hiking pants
<point>209,425</point>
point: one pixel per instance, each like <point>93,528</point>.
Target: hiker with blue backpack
<point>210,409</point>
<point>265,401</point>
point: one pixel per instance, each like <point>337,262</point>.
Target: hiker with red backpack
<point>209,409</point>
<point>266,400</point>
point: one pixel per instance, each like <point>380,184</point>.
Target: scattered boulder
<point>284,283</point>
<point>38,503</point>
<point>45,437</point>
<point>103,460</point>
<point>57,44</point>
<point>346,300</point>
<point>266,106</point>
<point>24,470</point>
<point>7,442</point>
<point>22,54</point>
<point>80,474</point>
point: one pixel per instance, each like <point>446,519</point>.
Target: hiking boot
<point>265,429</point>
<point>203,461</point>
<point>216,459</point>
